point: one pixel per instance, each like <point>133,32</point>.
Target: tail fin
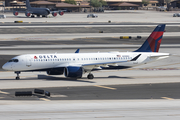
<point>28,6</point>
<point>153,42</point>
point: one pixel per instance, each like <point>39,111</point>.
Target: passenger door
<point>28,61</point>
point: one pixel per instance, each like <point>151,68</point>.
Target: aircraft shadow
<point>52,78</point>
<point>114,77</point>
<point>30,78</point>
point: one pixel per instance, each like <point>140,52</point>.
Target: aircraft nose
<point>6,66</point>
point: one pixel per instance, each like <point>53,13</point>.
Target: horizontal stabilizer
<point>153,42</point>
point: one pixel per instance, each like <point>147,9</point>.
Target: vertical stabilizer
<point>28,6</point>
<point>153,42</point>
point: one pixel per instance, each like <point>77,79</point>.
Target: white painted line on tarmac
<point>177,25</point>
<point>79,46</point>
<point>167,98</point>
<point>4,92</point>
<point>105,87</point>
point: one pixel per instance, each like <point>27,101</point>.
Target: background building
<point>84,5</point>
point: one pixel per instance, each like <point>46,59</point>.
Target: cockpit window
<point>16,60</point>
<point>13,60</point>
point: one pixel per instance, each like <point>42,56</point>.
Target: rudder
<point>153,42</point>
<point>28,6</point>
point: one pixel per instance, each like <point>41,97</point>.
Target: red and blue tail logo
<point>153,42</point>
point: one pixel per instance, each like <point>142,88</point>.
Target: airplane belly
<point>40,12</point>
<point>126,64</point>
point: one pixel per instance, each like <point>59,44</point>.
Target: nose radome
<point>6,66</point>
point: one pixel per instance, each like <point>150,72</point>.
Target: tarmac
<point>95,109</point>
<point>148,91</point>
<point>138,16</point>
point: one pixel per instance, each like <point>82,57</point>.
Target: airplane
<point>76,64</point>
<point>39,11</point>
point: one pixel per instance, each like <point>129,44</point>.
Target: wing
<point>90,66</point>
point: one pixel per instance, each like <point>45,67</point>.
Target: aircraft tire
<point>17,78</point>
<point>90,76</point>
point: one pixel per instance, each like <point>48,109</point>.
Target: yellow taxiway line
<point>4,92</point>
<point>44,99</point>
<point>167,98</point>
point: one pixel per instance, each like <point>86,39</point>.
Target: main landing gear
<point>44,16</point>
<point>90,76</point>
<point>17,72</point>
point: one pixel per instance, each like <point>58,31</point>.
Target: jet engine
<point>27,14</point>
<point>73,71</point>
<point>15,13</point>
<point>55,71</point>
<point>54,14</point>
<point>61,13</point>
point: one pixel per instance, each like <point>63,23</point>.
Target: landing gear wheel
<point>38,15</point>
<point>43,16</point>
<point>17,72</point>
<point>90,76</point>
<point>32,16</point>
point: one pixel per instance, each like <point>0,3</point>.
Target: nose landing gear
<point>17,72</point>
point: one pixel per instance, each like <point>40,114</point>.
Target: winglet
<point>135,58</point>
<point>153,42</point>
<point>77,51</point>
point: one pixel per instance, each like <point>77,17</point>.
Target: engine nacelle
<point>61,13</point>
<point>54,14</point>
<point>55,71</point>
<point>73,71</point>
<point>15,13</point>
<point>27,14</point>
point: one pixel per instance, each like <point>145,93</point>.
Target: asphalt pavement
<point>99,40</point>
<point>99,92</point>
<point>89,29</point>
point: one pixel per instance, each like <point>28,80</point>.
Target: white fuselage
<point>88,61</point>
